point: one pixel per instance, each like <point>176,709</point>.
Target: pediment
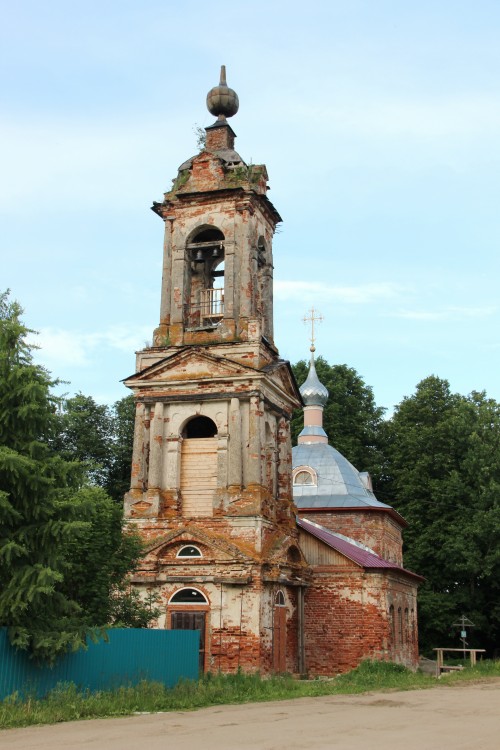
<point>187,365</point>
<point>212,546</point>
<point>280,373</point>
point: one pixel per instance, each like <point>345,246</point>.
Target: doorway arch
<point>279,632</point>
<point>198,466</point>
<point>188,609</point>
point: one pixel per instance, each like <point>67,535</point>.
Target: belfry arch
<point>206,252</point>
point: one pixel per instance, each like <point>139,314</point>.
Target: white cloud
<point>60,347</point>
<point>311,291</point>
<point>446,313</point>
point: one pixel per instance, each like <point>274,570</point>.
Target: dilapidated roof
<point>227,155</point>
<point>358,553</point>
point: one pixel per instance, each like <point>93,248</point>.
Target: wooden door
<point>191,621</point>
<point>198,476</point>
<point>279,639</point>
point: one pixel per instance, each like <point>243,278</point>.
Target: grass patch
<point>67,703</point>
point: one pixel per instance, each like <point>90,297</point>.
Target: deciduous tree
<point>100,438</point>
<point>444,460</point>
<point>100,562</point>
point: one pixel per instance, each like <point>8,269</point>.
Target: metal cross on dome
<point>312,318</point>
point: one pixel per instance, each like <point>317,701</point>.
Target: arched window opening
<point>188,596</point>
<point>400,625</point>
<point>304,477</point>
<point>209,236</point>
<point>200,427</point>
<point>279,600</point>
<point>407,625</point>
<point>189,551</point>
<point>206,251</point>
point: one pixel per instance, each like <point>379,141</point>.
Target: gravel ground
<point>462,717</point>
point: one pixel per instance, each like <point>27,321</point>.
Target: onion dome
<point>313,391</point>
<point>221,100</point>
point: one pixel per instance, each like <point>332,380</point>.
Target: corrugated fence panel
<point>129,656</point>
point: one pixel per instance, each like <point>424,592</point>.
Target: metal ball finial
<point>221,100</point>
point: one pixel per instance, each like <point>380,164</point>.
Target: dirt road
<point>455,718</point>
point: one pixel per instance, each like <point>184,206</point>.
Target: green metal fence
<point>129,656</point>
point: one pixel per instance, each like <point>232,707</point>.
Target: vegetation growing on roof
<point>180,180</point>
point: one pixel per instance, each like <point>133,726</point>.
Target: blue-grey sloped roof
<point>339,483</point>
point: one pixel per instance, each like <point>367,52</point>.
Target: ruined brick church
<point>280,567</point>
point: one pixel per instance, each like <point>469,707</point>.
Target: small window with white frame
<point>304,476</point>
<point>189,550</point>
<point>188,596</point>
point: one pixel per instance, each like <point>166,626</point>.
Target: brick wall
<point>347,620</point>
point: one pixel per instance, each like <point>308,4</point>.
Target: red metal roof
<point>358,554</point>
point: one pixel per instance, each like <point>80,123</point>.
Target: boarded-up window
<point>198,476</point>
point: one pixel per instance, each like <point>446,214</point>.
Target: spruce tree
<point>37,520</point>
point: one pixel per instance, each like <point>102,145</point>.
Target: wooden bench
<point>442,667</point>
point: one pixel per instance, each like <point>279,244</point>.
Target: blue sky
<point>379,123</point>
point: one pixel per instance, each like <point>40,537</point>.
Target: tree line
<point>65,557</point>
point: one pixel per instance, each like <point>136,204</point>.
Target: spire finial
<point>312,318</point>
<point>221,100</point>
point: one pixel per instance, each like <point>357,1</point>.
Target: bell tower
<point>219,225</point>
<point>213,354</point>
<point>211,464</point>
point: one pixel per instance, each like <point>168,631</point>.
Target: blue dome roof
<point>339,483</point>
